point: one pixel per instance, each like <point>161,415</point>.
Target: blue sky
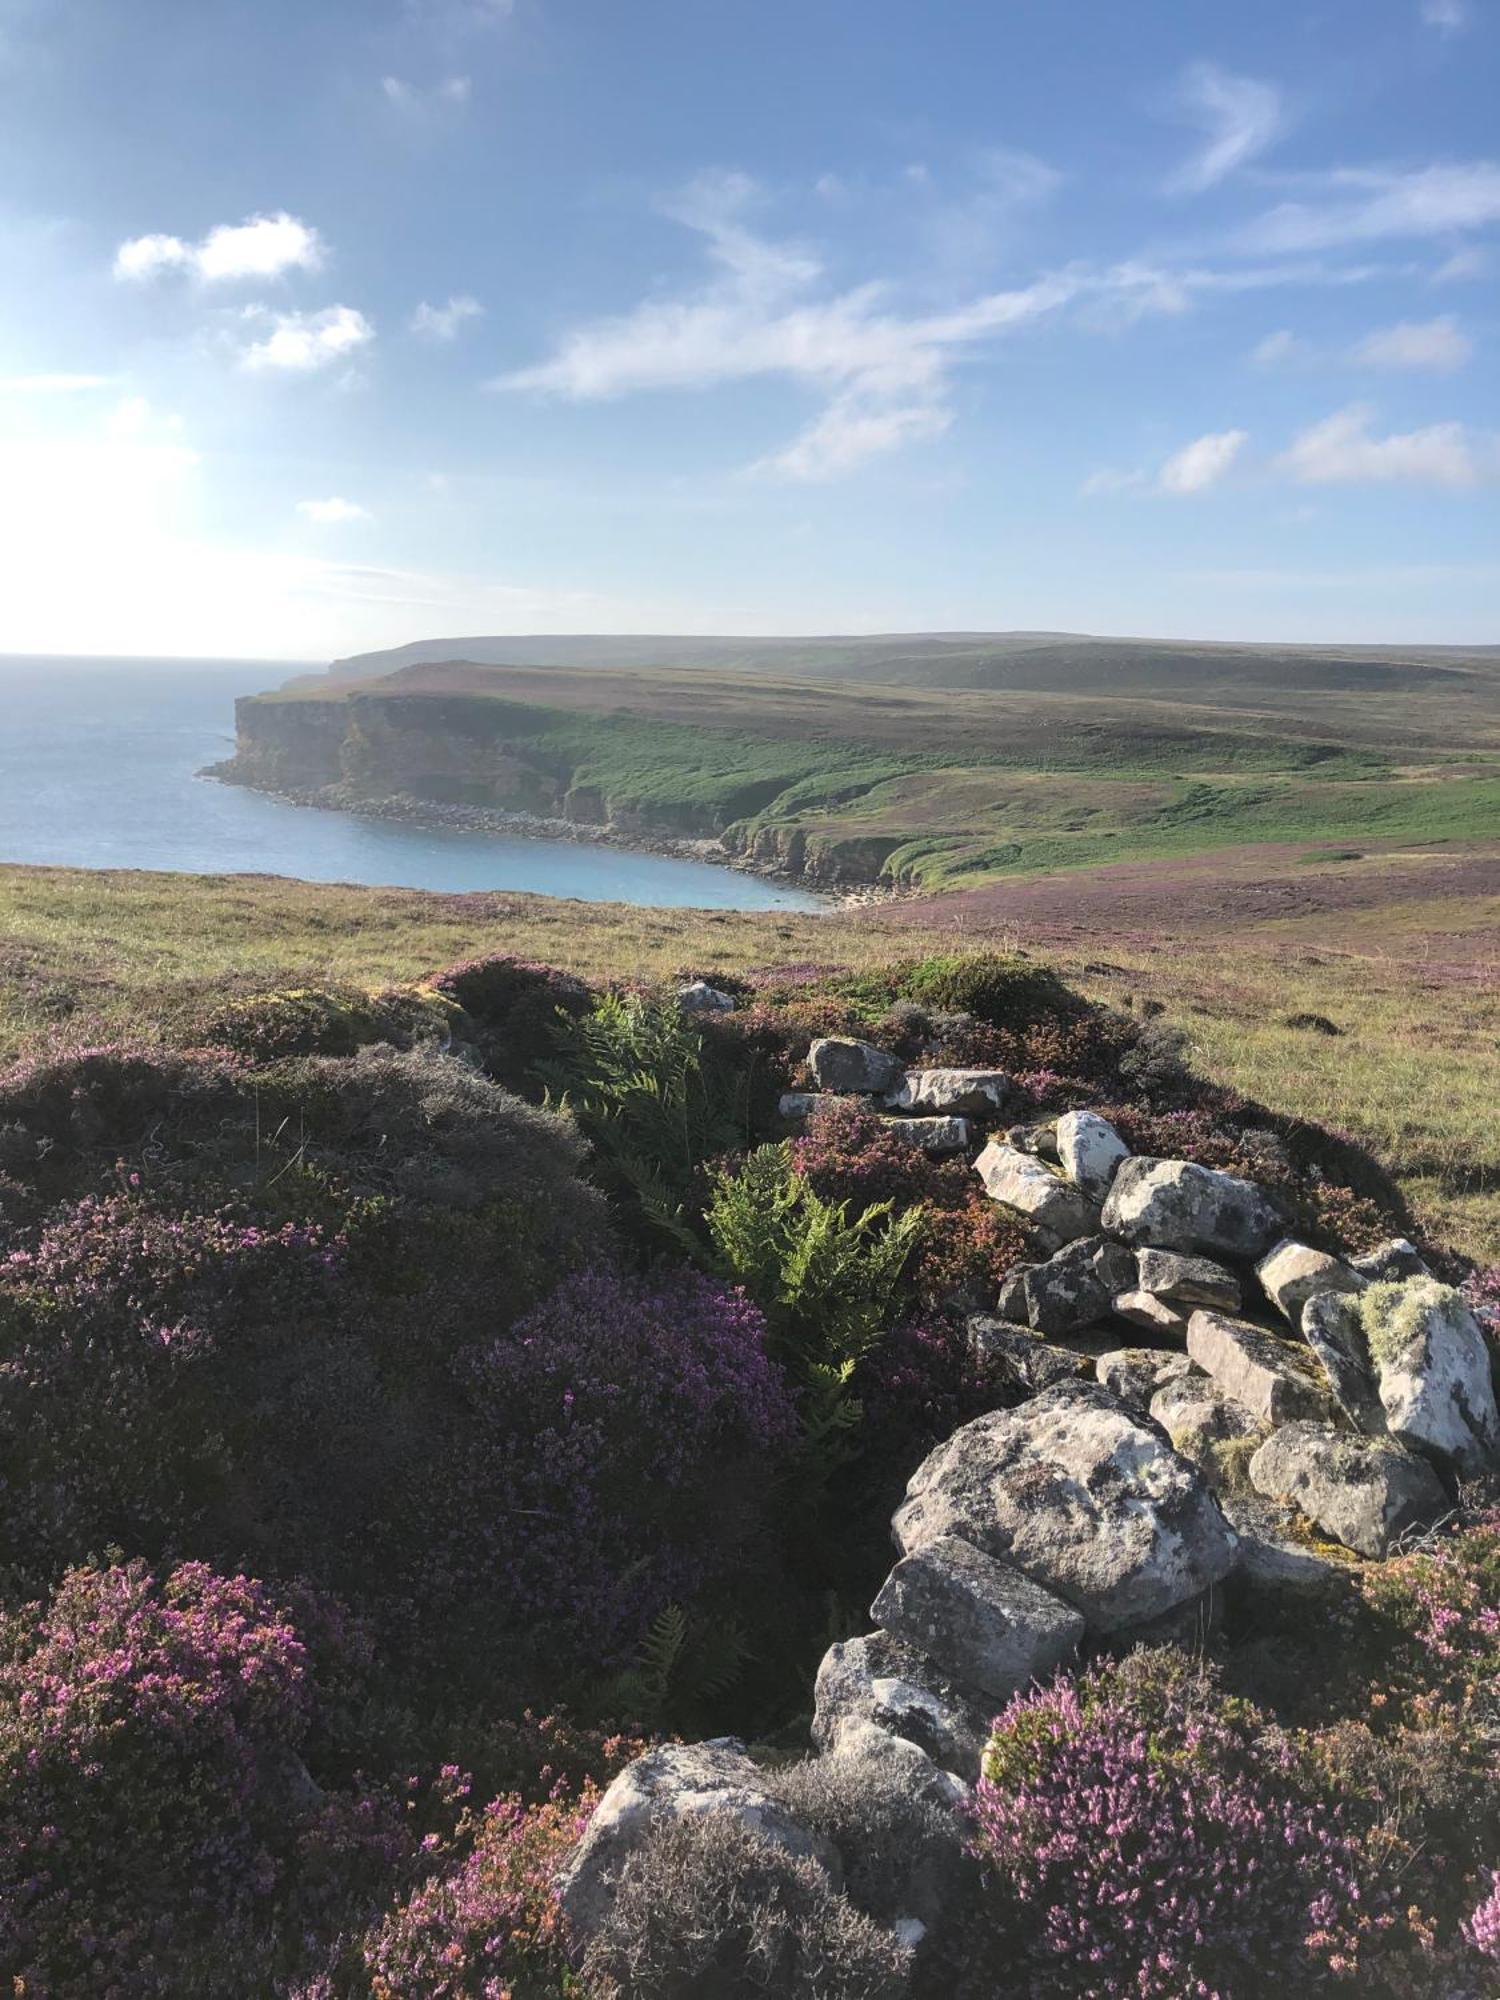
<point>327,324</point>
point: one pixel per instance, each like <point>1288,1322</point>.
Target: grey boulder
<point>1200,1420</point>
<point>698,997</point>
<point>1151,1314</point>
<point>1397,1257</point>
<point>949,1091</point>
<point>1332,1328</point>
<point>1433,1370</point>
<point>840,1063</point>
<point>1187,1281</point>
<point>1134,1374</point>
<point>878,1679</point>
<point>1291,1273</point>
<point>1090,1150</point>
<point>1020,1181</point>
<point>1177,1205</point>
<point>1274,1379</point>
<point>930,1135</point>
<point>1364,1492</point>
<point>1015,1358</point>
<point>985,1622</point>
<point>1082,1495</point>
<point>1074,1288</point>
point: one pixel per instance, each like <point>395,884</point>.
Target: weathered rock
<point>1177,1205</point>
<point>1040,1140</point>
<point>1074,1288</point>
<point>1085,1497</point>
<point>880,1679</point>
<point>1015,1358</point>
<point>949,1091</point>
<point>1365,1492</point>
<point>1090,1150</point>
<point>1274,1380</point>
<point>1020,1181</point>
<point>839,1063</point>
<point>1332,1328</point>
<point>798,1104</point>
<point>698,997</point>
<point>1292,1273</point>
<point>1274,1561</point>
<point>985,1622</point>
<point>1208,1427</point>
<point>930,1135</point>
<point>1134,1374</point>
<point>1145,1309</point>
<point>1187,1281</point>
<point>901,1764</point>
<point>1433,1372</point>
<point>1010,1300</point>
<point>678,1781</point>
<point>1398,1257</point>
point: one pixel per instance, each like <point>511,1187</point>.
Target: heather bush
<point>902,1853</point>
<point>513,1008</point>
<point>299,1021</point>
<point>1001,990</point>
<point>1141,1836</point>
<point>159,1834</point>
<point>707,1909</point>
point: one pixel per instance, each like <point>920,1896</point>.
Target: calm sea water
<point>98,764</point>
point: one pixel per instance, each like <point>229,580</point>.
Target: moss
<point>1395,1313</point>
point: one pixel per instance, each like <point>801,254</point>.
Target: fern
<point>682,1666</point>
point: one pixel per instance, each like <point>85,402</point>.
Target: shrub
<point>158,1833</point>
<point>1002,991</point>
<point>705,1906</point>
<point>899,1849</point>
<point>515,1007</point>
<point>1142,1836</point>
<point>302,1021</point>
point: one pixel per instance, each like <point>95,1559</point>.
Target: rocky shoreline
<point>403,809</point>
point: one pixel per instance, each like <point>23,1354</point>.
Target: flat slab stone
<point>840,1063</point>
<point>1367,1493</point>
<point>948,1091</point>
<point>1090,1150</point>
<point>1274,1380</point>
<point>982,1620</point>
<point>698,997</point>
<point>1020,1181</point>
<point>1154,1315</point>
<point>1187,1281</point>
<point>1017,1359</point>
<point>1134,1374</point>
<point>930,1135</point>
<point>1291,1273</point>
<point>799,1104</point>
<point>1081,1494</point>
<point>1178,1205</point>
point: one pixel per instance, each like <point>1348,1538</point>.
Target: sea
<point>99,768</point>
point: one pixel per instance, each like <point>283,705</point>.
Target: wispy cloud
<point>1193,469</point>
<point>1468,261</point>
<point>767,312</point>
<point>52,385</point>
<point>263,246</point>
<point>445,322</point>
<point>1344,450</point>
<point>1437,346</point>
<point>1239,117</point>
<point>1449,17</point>
<point>302,343</point>
<point>333,512</point>
<point>1369,205</point>
<point>1281,349</point>
<point>420,104</point>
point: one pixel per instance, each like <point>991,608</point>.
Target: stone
<point>1015,1358</point>
<point>698,997</point>
<point>798,1104</point>
<point>1201,1421</point>
<point>1398,1257</point>
<point>1038,1139</point>
<point>1273,1561</point>
<point>1090,1150</point>
<point>1010,1300</point>
<point>879,1679</point>
<point>901,1765</point>
<point>1082,1495</point>
<point>1275,1380</point>
<point>930,1135</point>
<point>1134,1374</point>
<point>1292,1273</point>
<point>1145,1309</point>
<point>1367,1493</point>
<point>842,1064</point>
<point>1187,1281</point>
<point>985,1622</point>
<point>946,1091</point>
<point>1332,1328</point>
<point>1177,1205</point>
<point>676,1782</point>
<point>1020,1181</point>
<point>1432,1368</point>
<point>1074,1288</point>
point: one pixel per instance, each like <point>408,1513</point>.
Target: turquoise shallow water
<point>98,764</point>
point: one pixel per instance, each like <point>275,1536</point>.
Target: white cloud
<point>444,322</point>
<point>885,373</point>
<point>263,246</point>
<point>1435,345</point>
<point>1201,464</point>
<point>51,385</point>
<point>1449,17</point>
<point>1239,117</point>
<point>333,512</point>
<point>1468,262</point>
<point>414,102</point>
<point>1369,205</point>
<point>300,343</point>
<point>1342,450</point>
<point>1278,350</point>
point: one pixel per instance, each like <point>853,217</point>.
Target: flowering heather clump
<point>916,1388</point>
<point>627,1433</point>
<point>488,1924</point>
<point>515,1004</point>
<point>1144,1839</point>
<point>1482,1930</point>
<point>152,1802</point>
<point>1482,1294</point>
<point>1444,1603</point>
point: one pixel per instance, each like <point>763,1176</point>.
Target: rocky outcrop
<point>1089,1150</point>
<point>1292,1273</point>
<point>880,1681</point>
<point>1176,1205</point>
<point>951,1091</point>
<point>1187,1281</point>
<point>1366,1494</point>
<point>1433,1372</point>
<point>1043,1198</point>
<point>987,1622</point>
<point>859,1069</point>
<point>1270,1377</point>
